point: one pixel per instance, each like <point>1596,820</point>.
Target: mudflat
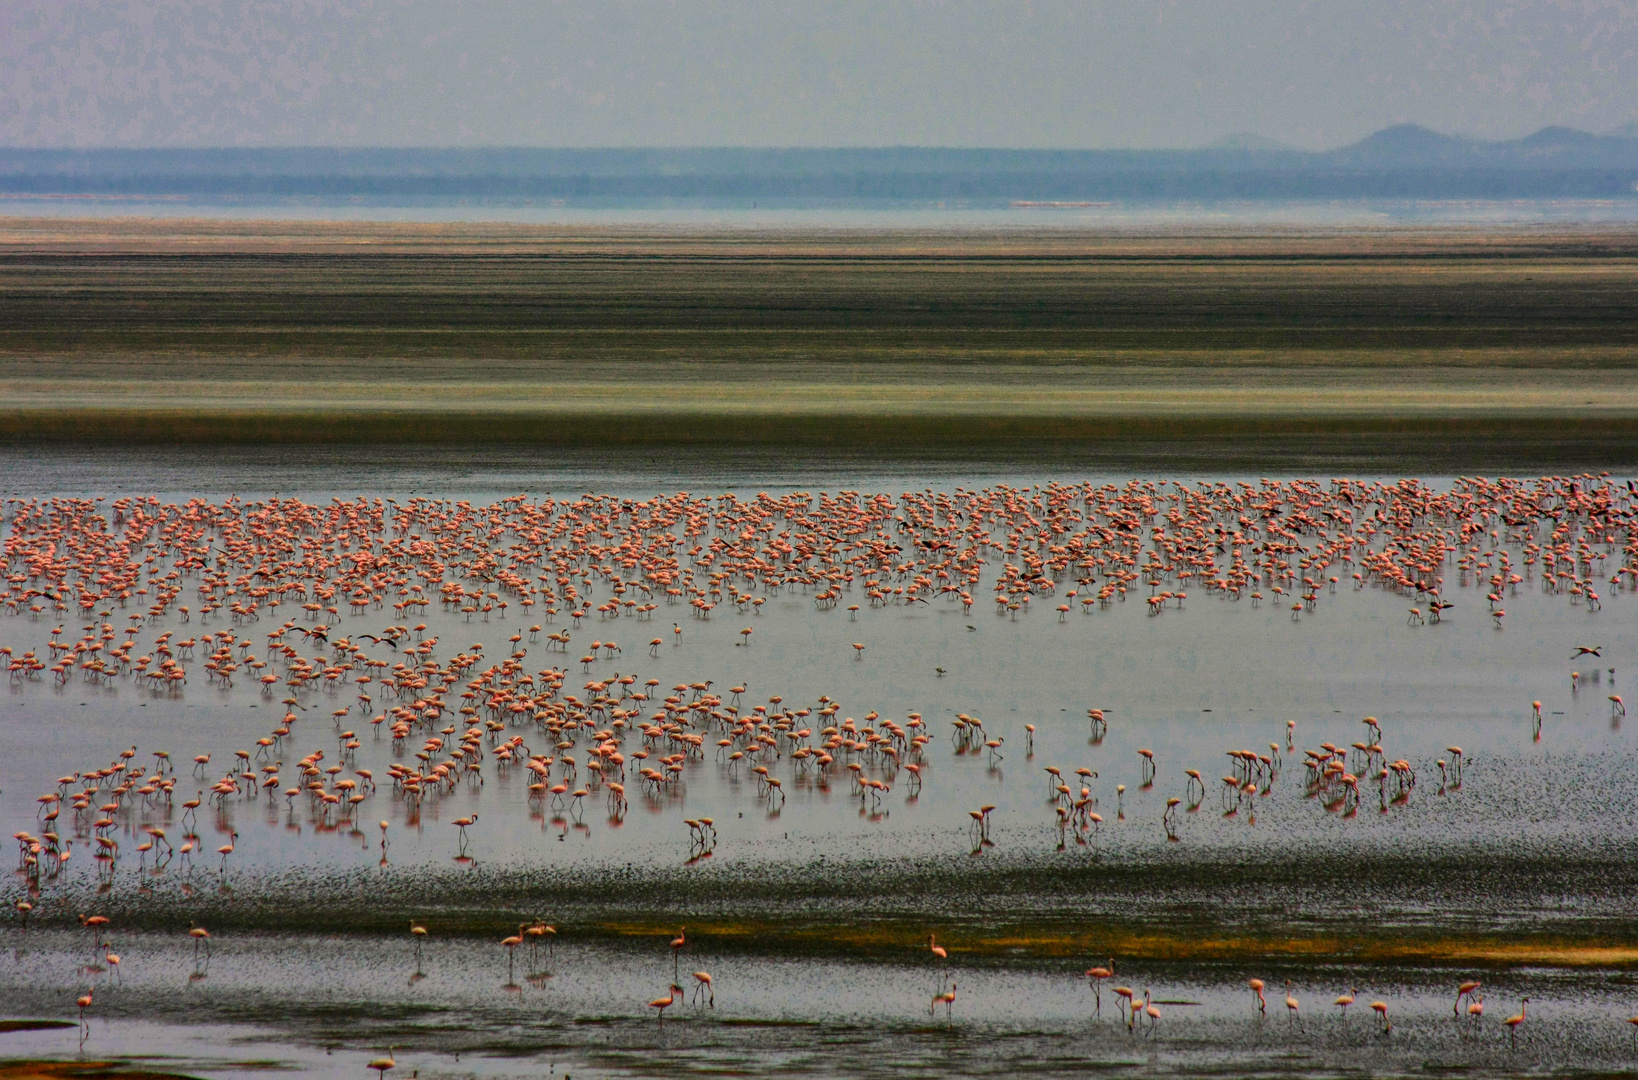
<point>280,332</point>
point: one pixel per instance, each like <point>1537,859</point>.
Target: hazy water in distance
<point>1340,213</point>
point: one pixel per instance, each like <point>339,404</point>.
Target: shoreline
<point>1508,443</point>
<point>1209,907</point>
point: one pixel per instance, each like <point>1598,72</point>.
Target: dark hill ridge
<point>1405,161</point>
<point>1409,145</point>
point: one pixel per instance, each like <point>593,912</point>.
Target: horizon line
<point>1277,146</point>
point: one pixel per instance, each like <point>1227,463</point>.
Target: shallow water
<point>809,909</point>
<point>327,1005</point>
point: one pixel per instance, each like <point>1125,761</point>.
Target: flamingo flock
<point>328,609</point>
<point>79,558</point>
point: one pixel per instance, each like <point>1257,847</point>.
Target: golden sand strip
<point>1247,394</point>
<point>80,1070</point>
<point>205,234</point>
<point>881,941</point>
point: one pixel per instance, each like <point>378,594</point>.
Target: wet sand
<point>324,1005</point>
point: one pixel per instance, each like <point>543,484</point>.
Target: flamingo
<point>677,944</point>
<point>510,944</point>
<point>200,936</point>
<point>462,824</point>
<point>665,1003</point>
<point>1126,1001</point>
<point>1096,976</point>
<point>1515,1022</point>
<point>227,849</point>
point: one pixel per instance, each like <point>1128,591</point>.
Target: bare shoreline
<point>276,333</point>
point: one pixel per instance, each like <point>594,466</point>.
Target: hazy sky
<point>1154,73</point>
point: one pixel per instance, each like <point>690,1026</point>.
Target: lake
<point>810,903</point>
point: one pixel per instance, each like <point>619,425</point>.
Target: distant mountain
<point>1402,162</point>
<point>1410,145</point>
<point>1402,145</point>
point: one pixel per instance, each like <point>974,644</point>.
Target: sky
<point>1024,73</point>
